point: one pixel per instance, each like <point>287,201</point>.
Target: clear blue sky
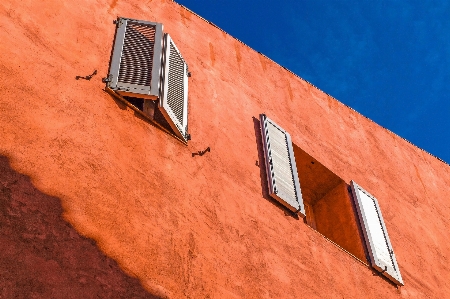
<point>388,60</point>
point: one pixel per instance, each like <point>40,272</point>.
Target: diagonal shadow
<point>42,256</point>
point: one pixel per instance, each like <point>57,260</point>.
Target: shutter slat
<point>280,164</point>
<point>381,253</point>
<point>136,58</point>
<point>174,94</point>
<point>137,54</point>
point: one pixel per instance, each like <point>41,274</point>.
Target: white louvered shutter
<point>281,167</point>
<point>136,59</point>
<point>380,249</point>
<point>173,101</point>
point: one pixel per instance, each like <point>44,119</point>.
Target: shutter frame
<point>179,127</point>
<point>146,91</point>
<point>299,207</point>
<point>393,271</point>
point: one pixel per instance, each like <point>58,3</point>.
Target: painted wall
<point>194,227</point>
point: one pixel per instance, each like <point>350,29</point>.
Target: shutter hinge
<point>118,22</point>
<point>107,79</point>
<point>188,73</point>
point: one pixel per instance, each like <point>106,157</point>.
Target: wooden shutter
<point>280,164</point>
<point>136,59</point>
<point>173,101</point>
<point>380,249</point>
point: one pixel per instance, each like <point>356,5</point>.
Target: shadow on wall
<point>42,256</point>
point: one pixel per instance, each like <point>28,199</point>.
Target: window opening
<point>305,186</point>
<point>328,204</point>
<point>136,102</point>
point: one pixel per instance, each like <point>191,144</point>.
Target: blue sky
<point>389,60</point>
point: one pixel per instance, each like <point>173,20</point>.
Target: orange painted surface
<point>203,227</point>
<point>337,220</point>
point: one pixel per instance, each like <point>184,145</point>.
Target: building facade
<point>98,201</point>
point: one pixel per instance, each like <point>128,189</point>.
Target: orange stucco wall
<point>201,227</point>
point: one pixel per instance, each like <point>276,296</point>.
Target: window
<point>337,211</point>
<point>148,70</point>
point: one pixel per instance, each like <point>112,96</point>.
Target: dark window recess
<point>136,102</point>
<point>161,119</point>
<point>146,68</point>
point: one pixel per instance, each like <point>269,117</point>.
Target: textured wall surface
<point>42,256</point>
<point>184,226</point>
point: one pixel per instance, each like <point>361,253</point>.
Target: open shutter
<point>280,164</point>
<point>136,59</point>
<point>173,101</point>
<point>380,249</point>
